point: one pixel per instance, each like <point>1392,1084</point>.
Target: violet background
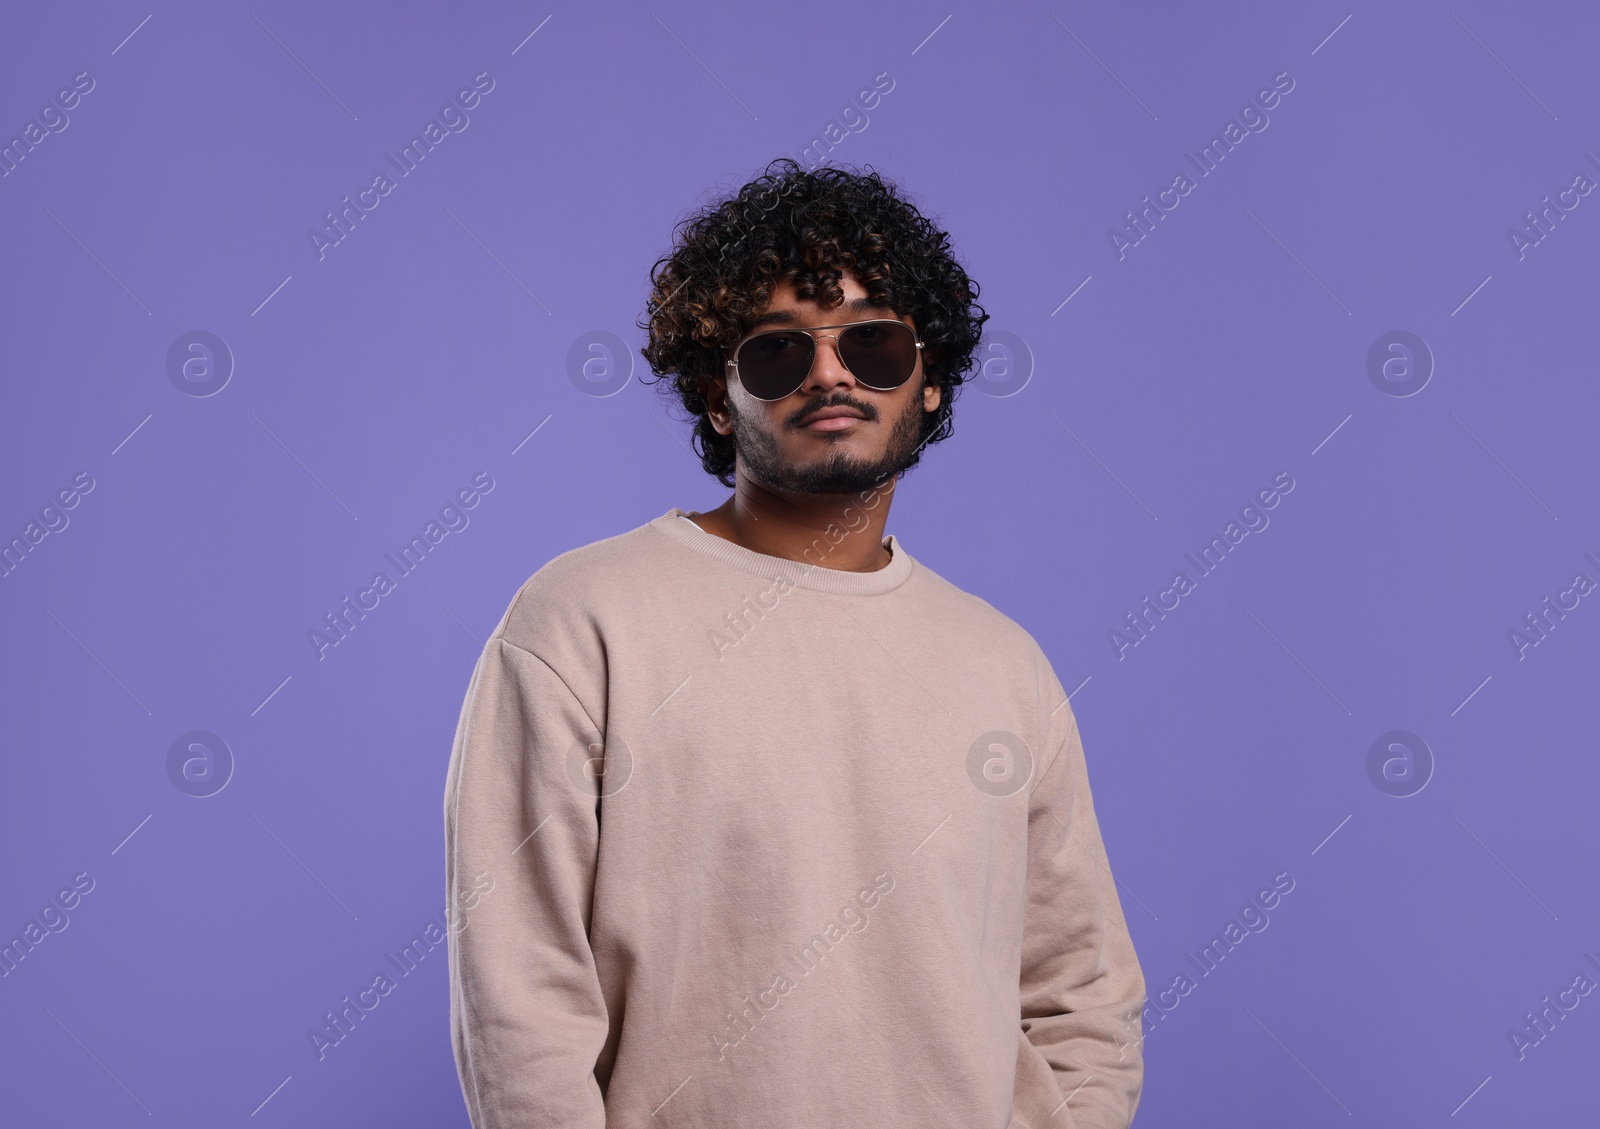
<point>1229,346</point>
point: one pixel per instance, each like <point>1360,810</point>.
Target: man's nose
<point>828,370</point>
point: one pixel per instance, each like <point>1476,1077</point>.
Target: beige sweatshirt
<point>736,841</point>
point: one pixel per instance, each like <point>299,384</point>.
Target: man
<point>760,821</point>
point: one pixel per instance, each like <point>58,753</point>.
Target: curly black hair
<point>809,227</point>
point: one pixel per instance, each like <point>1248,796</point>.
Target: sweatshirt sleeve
<point>1082,989</point>
<point>528,1018</point>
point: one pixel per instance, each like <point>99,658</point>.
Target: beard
<point>836,473</point>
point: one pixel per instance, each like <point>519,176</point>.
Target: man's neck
<point>837,531</point>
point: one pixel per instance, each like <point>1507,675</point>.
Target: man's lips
<point>834,419</point>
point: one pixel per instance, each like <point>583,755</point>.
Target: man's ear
<point>932,389</point>
<point>932,394</point>
<point>714,390</point>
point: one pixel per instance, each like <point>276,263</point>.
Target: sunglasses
<point>774,363</point>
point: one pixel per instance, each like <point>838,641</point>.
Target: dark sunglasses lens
<point>772,365</point>
<point>880,354</point>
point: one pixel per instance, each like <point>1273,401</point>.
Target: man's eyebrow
<point>787,317</point>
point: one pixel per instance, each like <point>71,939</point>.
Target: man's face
<point>783,445</point>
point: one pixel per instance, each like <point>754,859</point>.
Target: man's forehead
<point>789,312</point>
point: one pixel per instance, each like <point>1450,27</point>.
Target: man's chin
<point>828,477</point>
<point>824,468</point>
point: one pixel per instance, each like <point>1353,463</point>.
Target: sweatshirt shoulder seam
<point>561,678</point>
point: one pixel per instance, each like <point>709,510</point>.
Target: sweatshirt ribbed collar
<point>800,573</point>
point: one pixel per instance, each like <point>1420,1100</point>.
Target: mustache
<point>805,413</point>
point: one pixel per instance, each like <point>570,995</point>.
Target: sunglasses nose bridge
<point>832,338</point>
